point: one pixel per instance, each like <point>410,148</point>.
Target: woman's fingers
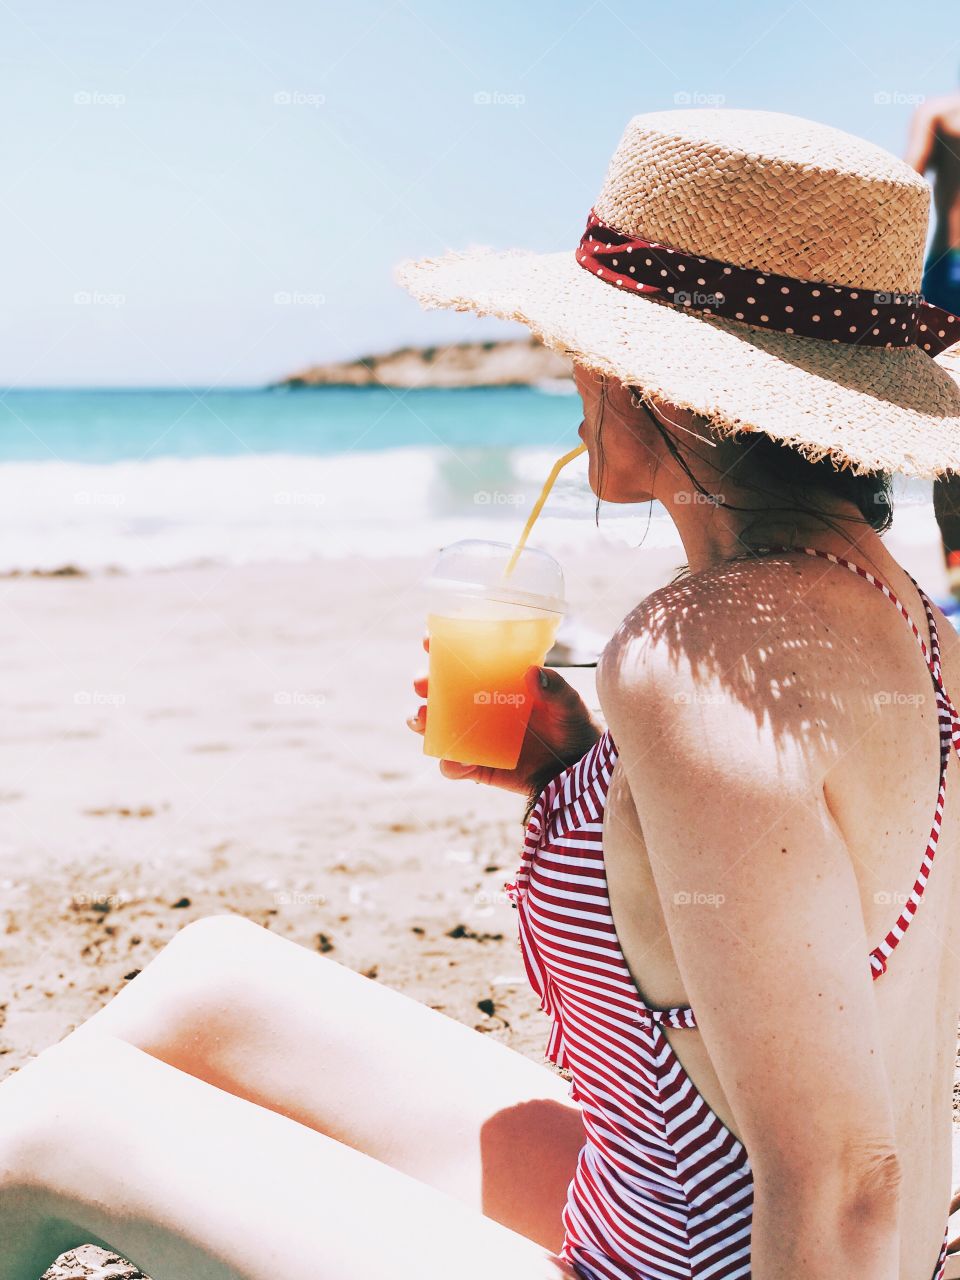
<point>420,680</point>
<point>449,768</point>
<point>454,769</point>
<point>418,720</point>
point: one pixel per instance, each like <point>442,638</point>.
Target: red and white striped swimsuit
<point>662,1190</point>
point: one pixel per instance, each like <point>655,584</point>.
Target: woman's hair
<point>869,493</point>
<point>789,472</point>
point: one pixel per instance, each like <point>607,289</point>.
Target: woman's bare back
<point>854,688</point>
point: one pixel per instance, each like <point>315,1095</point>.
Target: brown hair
<point>794,475</point>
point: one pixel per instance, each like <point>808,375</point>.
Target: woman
<point>702,881</point>
<point>932,147</point>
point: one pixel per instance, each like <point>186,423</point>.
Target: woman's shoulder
<point>752,642</point>
<point>740,603</point>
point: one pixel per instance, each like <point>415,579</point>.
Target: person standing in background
<point>934,146</point>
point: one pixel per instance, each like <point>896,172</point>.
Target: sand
<point>233,739</point>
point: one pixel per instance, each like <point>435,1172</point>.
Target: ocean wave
<point>556,386</point>
<point>166,512</point>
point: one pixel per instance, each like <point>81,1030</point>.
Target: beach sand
<point>233,739</point>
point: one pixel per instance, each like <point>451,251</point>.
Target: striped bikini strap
<point>947,713</point>
<point>931,655</point>
<point>949,725</point>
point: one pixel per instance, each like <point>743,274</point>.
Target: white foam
<point>265,507</point>
<point>407,501</point>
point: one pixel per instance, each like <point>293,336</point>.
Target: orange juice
<point>478,705</point>
<point>494,613</point>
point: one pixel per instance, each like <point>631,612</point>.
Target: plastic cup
<point>485,632</point>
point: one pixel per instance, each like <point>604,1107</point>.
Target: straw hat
<point>737,193</point>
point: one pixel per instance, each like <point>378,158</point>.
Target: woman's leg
<point>190,1182</point>
<point>278,1025</point>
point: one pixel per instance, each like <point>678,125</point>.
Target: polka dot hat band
<point>810,308</point>
<point>761,271</point>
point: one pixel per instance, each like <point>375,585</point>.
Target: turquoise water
<point>146,479</point>
<point>113,426</point>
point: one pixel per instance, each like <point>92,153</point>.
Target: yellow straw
<point>537,506</point>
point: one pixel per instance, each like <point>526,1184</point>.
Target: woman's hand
<point>559,732</point>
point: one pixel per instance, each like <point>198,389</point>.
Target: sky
<point>214,192</point>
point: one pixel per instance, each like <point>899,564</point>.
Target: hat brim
<point>869,408</point>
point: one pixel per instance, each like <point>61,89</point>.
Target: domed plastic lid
<point>476,567</point>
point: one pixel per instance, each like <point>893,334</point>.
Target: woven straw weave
<point>757,189</point>
<point>764,190</point>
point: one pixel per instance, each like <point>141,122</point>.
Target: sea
<point>133,480</point>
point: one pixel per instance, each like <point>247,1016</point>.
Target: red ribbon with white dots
<point>808,308</point>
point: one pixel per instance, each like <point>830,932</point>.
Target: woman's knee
<point>198,983</point>
<point>212,946</point>
<point>215,983</point>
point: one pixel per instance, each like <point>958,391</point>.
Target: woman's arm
<point>923,128</point>
<point>764,915</point>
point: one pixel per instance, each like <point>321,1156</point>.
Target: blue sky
<point>213,192</point>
